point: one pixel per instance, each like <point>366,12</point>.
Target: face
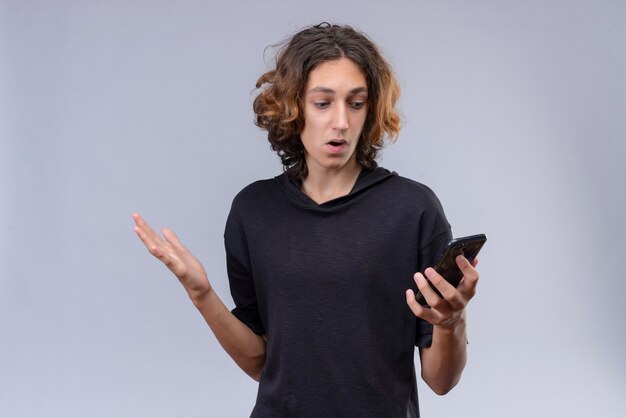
<point>335,108</point>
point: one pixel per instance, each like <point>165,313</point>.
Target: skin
<point>245,347</point>
<point>335,108</point>
<point>443,362</point>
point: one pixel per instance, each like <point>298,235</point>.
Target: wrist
<point>200,297</point>
<point>454,326</point>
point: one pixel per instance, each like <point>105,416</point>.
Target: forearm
<point>239,341</point>
<point>443,362</point>
<point>245,347</point>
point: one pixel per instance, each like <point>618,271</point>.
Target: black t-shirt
<point>326,284</point>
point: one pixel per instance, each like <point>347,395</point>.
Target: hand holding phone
<point>468,247</point>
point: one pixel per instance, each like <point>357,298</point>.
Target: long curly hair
<point>278,108</point>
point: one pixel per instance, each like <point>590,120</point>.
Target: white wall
<point>514,116</point>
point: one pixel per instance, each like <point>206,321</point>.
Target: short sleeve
<point>239,274</point>
<point>435,233</point>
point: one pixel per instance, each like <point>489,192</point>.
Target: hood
<point>367,178</point>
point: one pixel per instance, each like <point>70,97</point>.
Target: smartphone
<point>468,247</point>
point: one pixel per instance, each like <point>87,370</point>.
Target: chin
<point>336,163</point>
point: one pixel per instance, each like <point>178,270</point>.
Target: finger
<point>419,310</point>
<point>164,250</point>
<point>141,234</point>
<point>431,297</point>
<point>452,300</point>
<point>150,239</point>
<point>139,221</point>
<point>169,258</point>
<point>449,293</point>
<point>144,237</point>
<point>137,217</point>
<point>468,284</point>
<point>469,272</point>
<point>154,249</point>
<point>171,237</point>
<point>149,232</point>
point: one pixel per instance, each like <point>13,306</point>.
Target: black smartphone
<point>468,247</point>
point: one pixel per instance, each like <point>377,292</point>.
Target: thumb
<point>171,237</point>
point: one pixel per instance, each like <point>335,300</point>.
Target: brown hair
<point>278,107</point>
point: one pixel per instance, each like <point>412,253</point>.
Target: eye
<point>321,105</point>
<point>357,105</point>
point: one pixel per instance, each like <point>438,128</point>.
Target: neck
<point>323,185</point>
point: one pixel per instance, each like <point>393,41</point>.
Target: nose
<point>340,116</point>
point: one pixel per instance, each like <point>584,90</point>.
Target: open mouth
<point>336,146</point>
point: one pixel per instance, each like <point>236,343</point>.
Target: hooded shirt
<point>326,283</point>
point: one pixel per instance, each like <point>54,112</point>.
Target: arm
<point>245,347</point>
<point>239,341</point>
<point>443,362</point>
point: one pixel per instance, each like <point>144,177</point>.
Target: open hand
<point>175,256</point>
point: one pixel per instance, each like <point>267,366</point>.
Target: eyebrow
<point>331,91</point>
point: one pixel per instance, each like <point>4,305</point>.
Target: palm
<point>174,255</point>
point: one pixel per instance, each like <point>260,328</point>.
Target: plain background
<point>514,114</point>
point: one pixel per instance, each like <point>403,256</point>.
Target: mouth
<point>336,146</point>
